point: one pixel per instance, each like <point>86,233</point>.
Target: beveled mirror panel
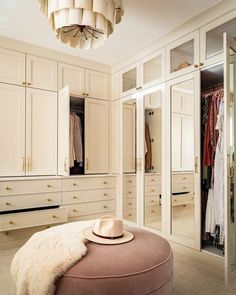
<point>182,56</point>
<point>153,160</point>
<point>182,143</point>
<point>152,69</point>
<point>129,80</point>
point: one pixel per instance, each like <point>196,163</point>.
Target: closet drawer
<point>130,214</point>
<point>182,177</point>
<point>89,208</point>
<point>34,218</point>
<point>29,186</point>
<point>74,184</point>
<point>152,201</point>
<point>182,199</point>
<point>129,180</point>
<point>129,203</point>
<point>129,192</point>
<point>152,179</point>
<point>152,190</point>
<point>154,211</point>
<point>73,197</point>
<point>182,187</point>
<point>29,201</point>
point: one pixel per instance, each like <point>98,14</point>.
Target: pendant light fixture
<point>82,23</point>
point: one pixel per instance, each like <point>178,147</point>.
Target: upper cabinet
<point>41,73</point>
<point>212,38</point>
<point>12,67</point>
<point>148,72</point>
<point>83,82</point>
<point>182,55</point>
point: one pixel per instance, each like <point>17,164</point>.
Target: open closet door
<point>63,131</point>
<point>229,165</point>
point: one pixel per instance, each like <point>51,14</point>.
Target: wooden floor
<point>192,276</point>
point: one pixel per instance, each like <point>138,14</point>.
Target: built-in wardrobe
<point>177,136</point>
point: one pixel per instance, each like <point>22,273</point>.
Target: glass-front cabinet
<point>183,55</point>
<point>211,38</point>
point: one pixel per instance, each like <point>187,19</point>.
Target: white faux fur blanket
<point>46,256</point>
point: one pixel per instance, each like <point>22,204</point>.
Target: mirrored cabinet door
<point>184,161</point>
<point>129,80</point>
<point>129,159</point>
<point>153,160</point>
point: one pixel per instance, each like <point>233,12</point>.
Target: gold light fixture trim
<point>82,23</point>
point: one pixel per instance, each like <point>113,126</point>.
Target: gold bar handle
<point>86,164</point>
<point>196,165</point>
<point>28,160</point>
<point>23,164</point>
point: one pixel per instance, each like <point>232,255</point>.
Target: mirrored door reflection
<point>182,130</point>
<point>153,160</point>
<point>129,160</point>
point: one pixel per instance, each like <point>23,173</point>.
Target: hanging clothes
<point>78,143</point>
<point>210,223</point>
<point>148,145</point>
<point>72,150</point>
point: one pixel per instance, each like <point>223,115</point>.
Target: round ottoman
<point>142,266</point>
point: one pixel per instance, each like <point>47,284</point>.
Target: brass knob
<point>137,88</point>
<point>8,188</point>
<point>105,207</point>
<point>184,187</point>
<point>201,64</point>
<point>195,66</point>
<point>140,87</point>
<point>87,94</point>
<point>184,178</point>
<point>49,200</point>
<point>130,181</point>
<point>152,211</point>
<point>152,201</point>
<point>28,83</point>
<point>8,204</point>
<point>105,195</point>
<point>130,214</point>
<point>11,222</point>
<point>23,83</point>
<point>74,197</point>
<point>130,204</point>
<point>152,179</point>
<point>104,182</point>
<point>74,184</point>
<point>83,93</point>
<point>49,185</point>
<point>74,210</point>
<point>130,192</point>
<point>54,216</point>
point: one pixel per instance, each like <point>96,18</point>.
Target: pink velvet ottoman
<point>142,266</point>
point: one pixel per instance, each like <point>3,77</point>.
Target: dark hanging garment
<point>148,155</point>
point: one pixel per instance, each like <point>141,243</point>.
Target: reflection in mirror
<point>129,160</point>
<point>152,69</point>
<point>182,105</point>
<point>129,80</point>
<point>153,157</point>
<point>182,56</point>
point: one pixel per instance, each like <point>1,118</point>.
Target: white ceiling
<point>144,21</point>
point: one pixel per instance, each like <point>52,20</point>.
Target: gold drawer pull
<point>49,185</point>
<point>175,200</point>
<point>184,178</point>
<point>130,204</point>
<point>152,179</point>
<point>130,192</point>
<point>28,83</point>
<point>105,195</point>
<point>152,211</point>
<point>184,187</point>
<point>74,197</point>
<point>104,182</point>
<point>130,214</point>
<point>130,181</point>
<point>8,188</point>
<point>11,222</point>
<point>152,201</point>
<point>49,200</point>
<point>152,190</point>
<point>74,184</point>
<point>8,204</point>
<point>75,210</point>
<point>105,207</point>
<point>54,216</point>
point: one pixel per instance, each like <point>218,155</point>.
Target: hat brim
<point>89,235</point>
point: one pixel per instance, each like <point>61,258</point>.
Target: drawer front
<point>74,197</point>
<point>29,201</point>
<point>152,190</point>
<point>129,203</point>
<point>74,184</point>
<point>130,214</point>
<point>129,180</point>
<point>129,192</point>
<point>152,201</point>
<point>90,208</point>
<point>29,186</point>
<point>30,219</point>
<point>182,199</point>
<point>183,177</point>
<point>152,179</point>
<point>182,187</point>
<point>154,211</point>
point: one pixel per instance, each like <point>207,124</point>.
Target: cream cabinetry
<point>41,73</point>
<point>83,81</point>
<point>29,131</point>
<point>129,197</point>
<point>12,69</point>
<point>84,197</point>
<point>182,189</point>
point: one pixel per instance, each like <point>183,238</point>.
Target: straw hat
<point>108,230</point>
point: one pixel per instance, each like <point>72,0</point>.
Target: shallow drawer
<point>151,201</point>
<point>152,179</point>
<point>182,187</point>
<point>152,190</point>
<point>182,199</point>
<point>29,186</point>
<point>153,211</point>
<point>129,180</point>
<point>130,214</point>
<point>89,208</point>
<point>30,219</point>
<point>73,197</point>
<point>129,192</point>
<point>29,201</point>
<point>70,184</point>
<point>182,177</point>
<point>129,203</point>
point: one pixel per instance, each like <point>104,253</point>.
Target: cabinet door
<point>176,142</point>
<point>63,131</point>
<point>97,85</point>
<point>41,73</point>
<point>41,132</point>
<point>12,130</point>
<point>96,136</point>
<point>73,77</point>
<point>12,67</point>
<point>129,80</point>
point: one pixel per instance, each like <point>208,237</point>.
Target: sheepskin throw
<point>46,256</point>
